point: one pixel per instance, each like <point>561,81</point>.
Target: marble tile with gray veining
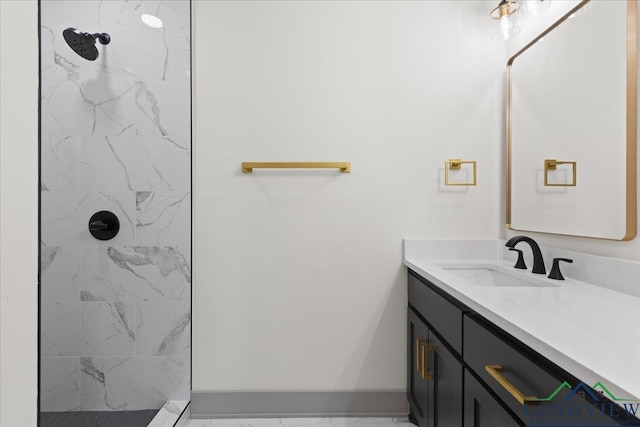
<point>135,274</point>
<point>60,328</point>
<point>168,161</point>
<point>60,278</point>
<point>65,217</point>
<point>112,383</point>
<point>60,162</point>
<point>123,163</point>
<point>82,108</point>
<point>64,110</point>
<point>163,219</point>
<point>164,328</point>
<point>167,55</point>
<point>60,384</point>
<point>116,131</point>
<point>161,111</point>
<point>57,64</point>
<point>88,329</point>
<point>166,52</point>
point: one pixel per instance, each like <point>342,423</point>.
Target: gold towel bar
<point>248,167</point>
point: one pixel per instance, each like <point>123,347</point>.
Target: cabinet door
<point>434,378</point>
<point>445,389</point>
<point>417,379</point>
<point>481,409</point>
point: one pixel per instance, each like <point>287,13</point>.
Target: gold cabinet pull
<point>494,371</point>
<point>419,342</point>
<point>425,362</point>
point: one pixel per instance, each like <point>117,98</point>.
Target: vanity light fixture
<point>503,14</point>
<point>532,7</point>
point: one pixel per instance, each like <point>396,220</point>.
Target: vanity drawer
<point>518,368</point>
<point>444,316</point>
<point>483,348</point>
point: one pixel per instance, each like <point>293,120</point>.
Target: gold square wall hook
<point>551,165</point>
<point>456,164</point>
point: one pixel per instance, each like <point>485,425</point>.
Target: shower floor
<point>97,418</point>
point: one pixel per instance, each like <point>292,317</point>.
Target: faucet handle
<point>520,263</point>
<point>555,270</point>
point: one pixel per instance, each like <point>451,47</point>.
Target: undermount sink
<point>494,276</point>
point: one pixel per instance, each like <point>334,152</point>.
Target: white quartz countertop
<point>591,332</point>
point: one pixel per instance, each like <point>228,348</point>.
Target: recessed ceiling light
<point>152,21</point>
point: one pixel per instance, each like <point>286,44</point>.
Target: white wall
<point>18,212</point>
<point>531,27</point>
<point>298,280</point>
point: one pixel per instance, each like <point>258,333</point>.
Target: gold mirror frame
<point>631,161</point>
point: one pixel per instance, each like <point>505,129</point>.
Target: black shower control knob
<point>104,225</point>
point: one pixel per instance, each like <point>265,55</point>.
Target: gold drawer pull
<point>419,342</point>
<point>494,371</point>
<point>425,362</point>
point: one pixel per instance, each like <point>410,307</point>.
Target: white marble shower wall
<point>116,135</point>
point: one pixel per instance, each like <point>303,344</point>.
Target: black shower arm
<point>103,38</point>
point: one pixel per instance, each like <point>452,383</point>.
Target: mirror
<point>571,125</point>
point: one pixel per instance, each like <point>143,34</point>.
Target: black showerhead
<point>84,44</point>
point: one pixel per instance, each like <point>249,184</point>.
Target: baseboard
<point>281,404</point>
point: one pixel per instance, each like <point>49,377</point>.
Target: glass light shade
<point>532,7</point>
<point>506,29</point>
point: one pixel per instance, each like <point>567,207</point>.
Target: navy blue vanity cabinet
<point>417,386</point>
<point>465,371</point>
<point>519,376</point>
<point>435,371</point>
<point>481,409</point>
<point>434,377</point>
